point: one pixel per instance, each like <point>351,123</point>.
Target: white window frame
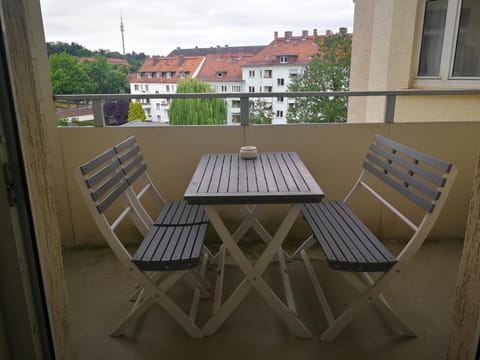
<point>445,78</point>
<point>283,59</point>
<point>251,73</point>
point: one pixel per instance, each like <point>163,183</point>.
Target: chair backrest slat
<point>398,166</point>
<point>427,159</point>
<point>102,174</point>
<point>406,178</point>
<point>97,161</point>
<point>129,154</point>
<point>130,178</point>
<point>125,144</point>
<point>425,173</point>
<point>110,198</point>
<point>107,186</point>
<point>424,204</point>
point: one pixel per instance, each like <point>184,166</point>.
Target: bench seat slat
<point>347,243</point>
<point>180,213</point>
<point>170,248</point>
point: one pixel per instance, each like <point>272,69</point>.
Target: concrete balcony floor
<point>423,295</point>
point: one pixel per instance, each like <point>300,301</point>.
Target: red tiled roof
<point>73,112</point>
<point>229,65</point>
<point>174,64</point>
<point>299,50</point>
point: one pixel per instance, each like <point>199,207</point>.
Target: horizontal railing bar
<point>79,97</point>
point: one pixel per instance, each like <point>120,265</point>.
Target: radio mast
<point>122,30</point>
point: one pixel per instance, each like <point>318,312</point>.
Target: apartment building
<point>160,75</point>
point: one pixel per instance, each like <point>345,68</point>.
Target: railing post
<point>98,113</point>
<point>244,111</point>
<point>390,109</point>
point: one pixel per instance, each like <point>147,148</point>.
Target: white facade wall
<point>274,78</point>
<point>233,107</point>
<point>155,109</point>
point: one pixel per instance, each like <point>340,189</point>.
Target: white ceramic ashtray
<point>248,152</point>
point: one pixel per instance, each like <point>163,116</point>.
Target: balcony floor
<point>423,295</point>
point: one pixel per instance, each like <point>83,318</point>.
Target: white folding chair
<point>351,248</point>
<point>143,192</point>
<point>169,252</point>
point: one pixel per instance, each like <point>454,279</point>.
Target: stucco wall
<point>384,57</point>
<point>332,152</point>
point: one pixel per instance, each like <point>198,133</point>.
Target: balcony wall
<point>332,152</point>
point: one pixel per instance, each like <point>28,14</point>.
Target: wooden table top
<point>273,177</point>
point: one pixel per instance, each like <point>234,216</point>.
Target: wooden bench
<point>351,248</point>
<point>173,244</point>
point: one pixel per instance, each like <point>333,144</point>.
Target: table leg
<point>253,275</point>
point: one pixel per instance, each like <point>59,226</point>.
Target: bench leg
<point>307,244</point>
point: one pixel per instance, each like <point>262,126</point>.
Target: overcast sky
<point>157,27</point>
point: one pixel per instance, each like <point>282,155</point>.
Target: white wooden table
<point>271,178</point>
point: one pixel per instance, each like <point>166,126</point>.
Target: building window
<point>139,74</point>
<point>280,99</point>
<point>159,75</point>
<point>267,74</point>
<point>167,88</point>
<point>251,73</point>
<point>135,87</point>
<point>146,87</point>
<point>267,89</point>
<point>149,75</point>
<point>235,104</point>
<point>279,113</point>
<point>224,88</point>
<point>183,75</point>
<point>280,82</point>
<point>236,88</point>
<point>157,106</point>
<point>251,89</point>
<point>159,118</point>
<point>450,40</point>
<point>283,59</point>
<point>169,75</point>
<point>293,73</point>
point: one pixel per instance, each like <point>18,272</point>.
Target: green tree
<point>329,70</point>
<point>196,111</point>
<point>68,77</point>
<point>107,80</point>
<point>135,112</point>
<point>260,112</point>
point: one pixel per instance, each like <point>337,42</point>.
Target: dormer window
<point>283,59</point>
<point>139,75</point>
<point>149,75</point>
<point>221,74</point>
<point>169,75</point>
<point>183,75</point>
<point>159,75</point>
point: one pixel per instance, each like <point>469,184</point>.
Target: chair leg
<point>307,244</point>
<point>157,294</point>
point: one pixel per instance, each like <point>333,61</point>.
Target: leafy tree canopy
<point>329,70</point>
<point>136,112</point>
<point>67,76</point>
<point>260,112</point>
<point>98,76</point>
<point>134,59</point>
<point>196,111</point>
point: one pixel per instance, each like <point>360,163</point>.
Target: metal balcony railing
<point>389,114</point>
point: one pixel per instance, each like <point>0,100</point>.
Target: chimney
<point>288,35</point>
<point>275,36</point>
<point>343,30</point>
<point>304,34</point>
<point>328,32</point>
<point>315,34</point>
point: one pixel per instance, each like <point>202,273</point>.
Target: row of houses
<point>253,69</point>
